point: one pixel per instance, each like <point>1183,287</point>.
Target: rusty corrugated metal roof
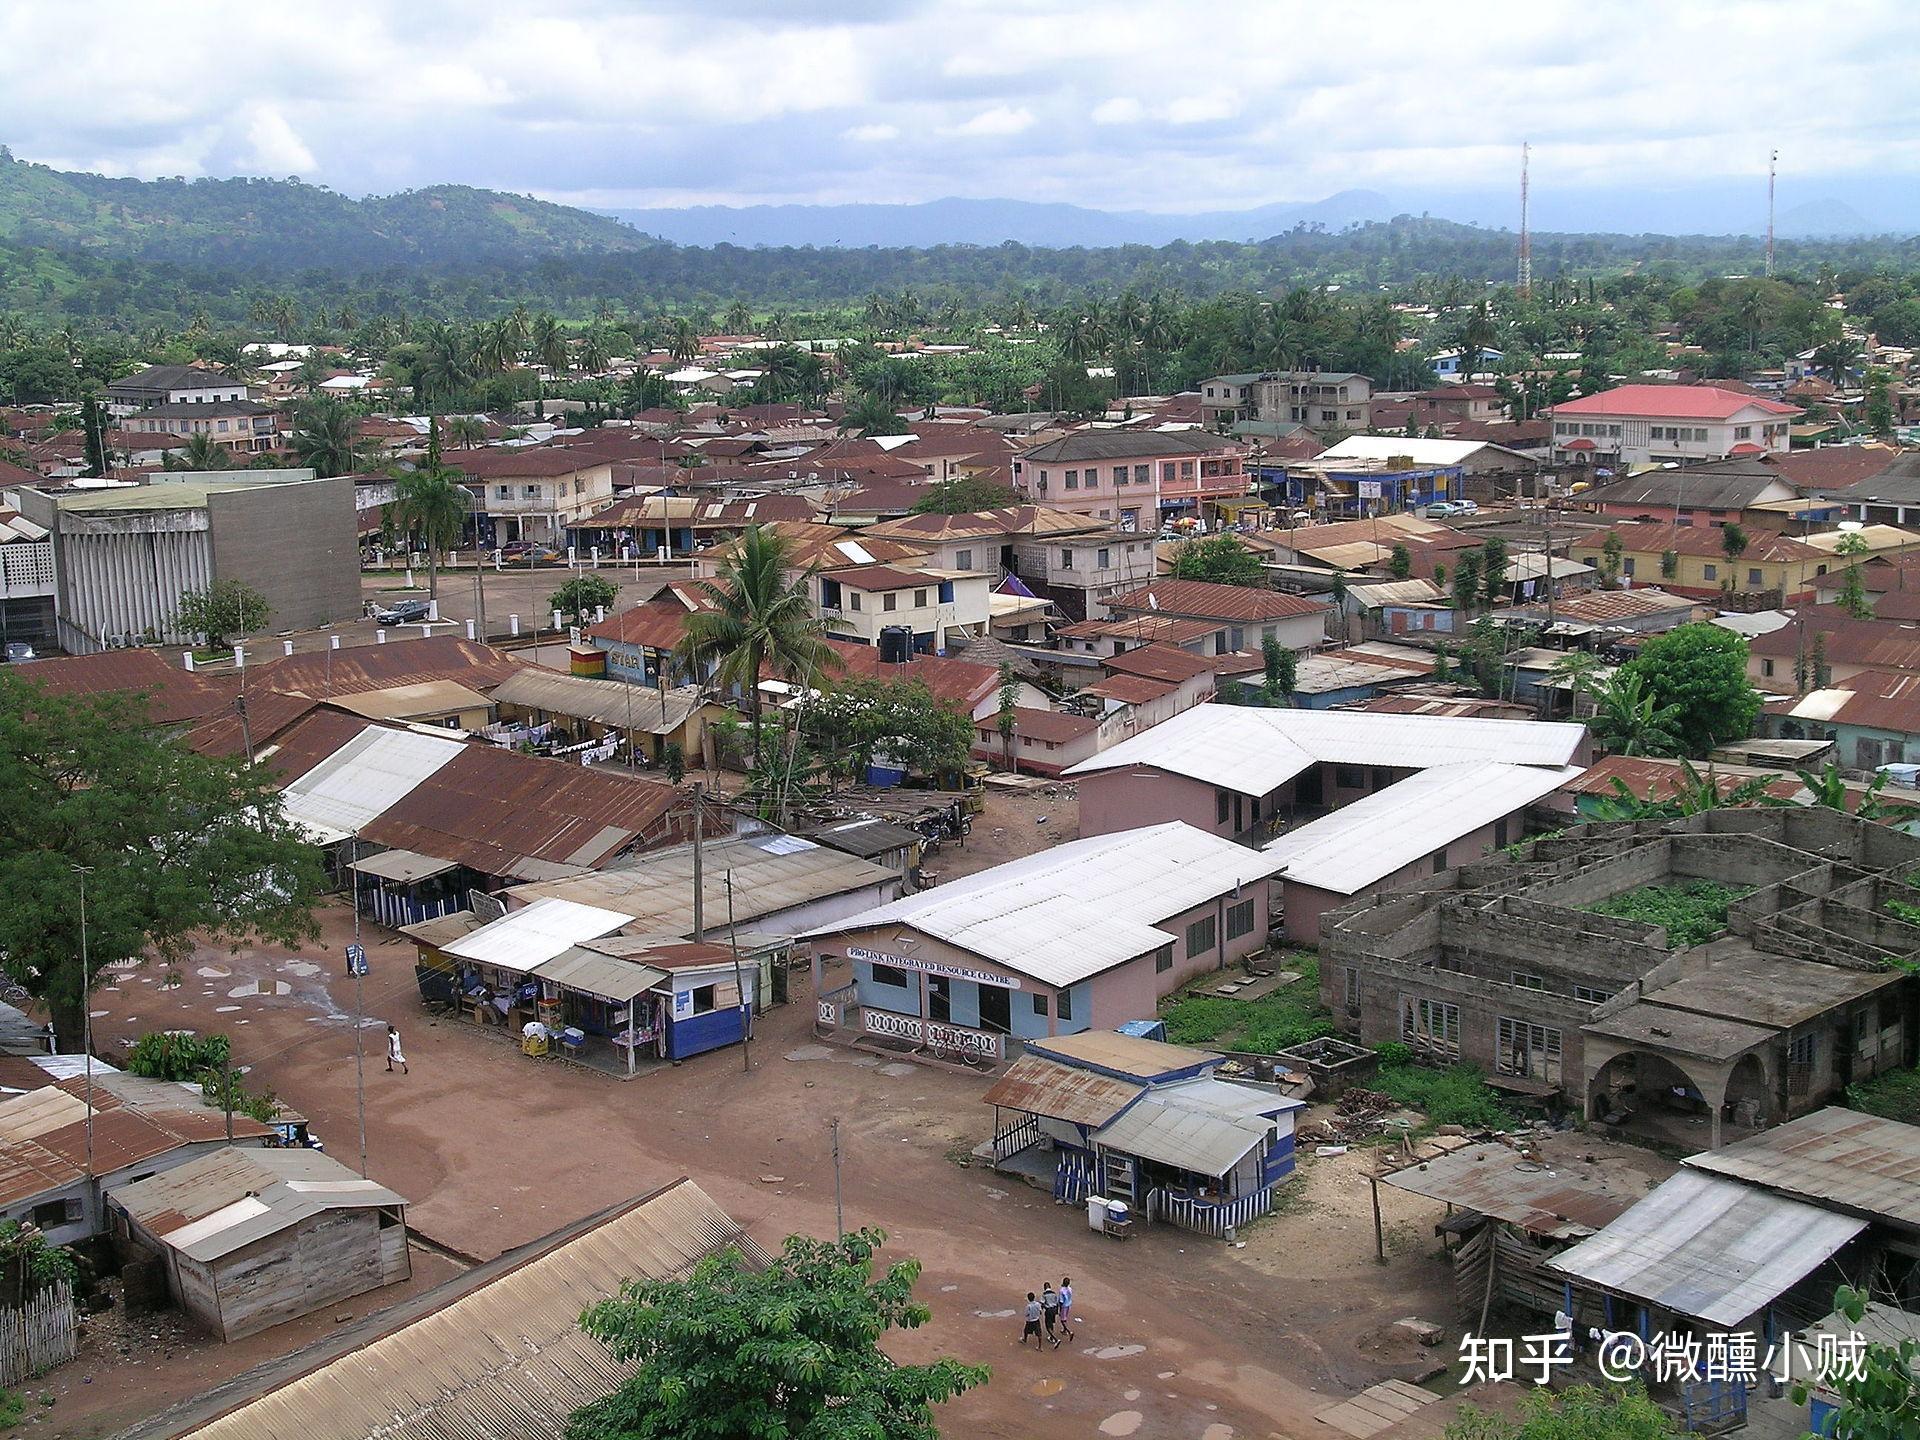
<point>507,1357</point>
<point>1856,1162</point>
<point>1062,1092</point>
<point>1498,1181</point>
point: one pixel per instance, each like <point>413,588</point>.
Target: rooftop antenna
<point>1525,281</point>
<point>1773,161</point>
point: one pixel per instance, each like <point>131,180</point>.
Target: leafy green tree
<point>1400,562</point>
<point>1881,1399</point>
<point>1628,720</point>
<point>1733,541</point>
<point>431,504</point>
<point>95,424</point>
<point>673,760</point>
<point>759,619</point>
<point>326,437</point>
<point>854,721</point>
<point>1612,552</point>
<point>1879,406</point>
<point>790,1349</point>
<point>1442,669</point>
<point>1853,591</point>
<point>1282,670</point>
<point>224,609</point>
<point>965,495</point>
<point>871,415</point>
<point>1493,572</point>
<point>584,594</point>
<point>1466,582</point>
<point>180,848</point>
<point>1580,1412</point>
<point>1669,564</point>
<point>1005,718</point>
<point>1700,671</point>
<point>1220,560</point>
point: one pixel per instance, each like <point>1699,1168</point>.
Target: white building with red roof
<point>1655,424</point>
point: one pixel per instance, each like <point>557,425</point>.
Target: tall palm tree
<point>445,363</point>
<point>431,503</point>
<point>737,318</point>
<point>683,339</point>
<point>1628,719</point>
<point>203,452</point>
<point>594,354</point>
<point>549,342</point>
<point>759,618</point>
<point>466,430</point>
<point>327,439</point>
<point>872,415</point>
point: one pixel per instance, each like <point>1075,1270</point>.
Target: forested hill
<point>284,224</point>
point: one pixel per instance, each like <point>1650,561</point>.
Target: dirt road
<point>1181,1336</point>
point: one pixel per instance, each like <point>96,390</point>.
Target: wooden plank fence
<point>40,1335</point>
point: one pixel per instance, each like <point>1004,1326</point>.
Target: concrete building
<point>1243,774</point>
<point>1133,478</point>
<point>123,558</point>
<point>249,1237</point>
<point>1700,567</point>
<point>160,385</point>
<point>1081,573</point>
<point>1324,400</point>
<point>26,581</point>
<point>243,427</point>
<point>1512,964</point>
<point>535,493</point>
<point>1085,936</point>
<point>864,601</point>
<point>1658,424</point>
<point>1244,617</point>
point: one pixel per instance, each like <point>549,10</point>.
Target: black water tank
<point>896,644</point>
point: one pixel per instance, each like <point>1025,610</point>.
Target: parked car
<point>1441,509</point>
<point>1467,507</point>
<point>401,612</point>
<point>18,650</point>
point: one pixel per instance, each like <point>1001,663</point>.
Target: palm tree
<point>445,363</point>
<point>872,415</point>
<point>683,339</point>
<point>466,430</point>
<point>327,438</point>
<point>759,618</point>
<point>431,503</point>
<point>1479,335</point>
<point>549,342</point>
<point>737,318</point>
<point>203,452</point>
<point>1628,719</point>
<point>594,354</point>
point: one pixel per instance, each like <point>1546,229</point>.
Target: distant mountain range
<point>954,221</point>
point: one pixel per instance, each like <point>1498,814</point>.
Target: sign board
<point>934,1034</point>
<point>356,960</point>
<point>933,967</point>
<point>1369,489</point>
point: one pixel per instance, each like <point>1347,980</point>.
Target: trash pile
<point>1358,1116</point>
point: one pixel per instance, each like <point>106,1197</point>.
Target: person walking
<point>1033,1322</point>
<point>395,1055</point>
<point>1066,1306</point>
<point>1050,1308</point>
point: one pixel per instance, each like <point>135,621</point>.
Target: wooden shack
<point>250,1238</point>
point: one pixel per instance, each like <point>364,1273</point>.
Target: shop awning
<point>1187,1139</point>
<point>1711,1249</point>
<point>607,976</point>
<point>404,867</point>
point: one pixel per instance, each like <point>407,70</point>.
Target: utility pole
<point>1524,283</point>
<point>699,893</point>
<point>240,709</point>
<point>839,1213</point>
<point>746,1006</point>
<point>357,963</point>
<point>1773,164</point>
<point>86,1011</point>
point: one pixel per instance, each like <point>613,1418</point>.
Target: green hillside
<point>284,223</point>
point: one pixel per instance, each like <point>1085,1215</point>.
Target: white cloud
<point>872,134</point>
<point>275,148</point>
<point>1121,110</point>
<point>1000,120</point>
<point>1200,109</point>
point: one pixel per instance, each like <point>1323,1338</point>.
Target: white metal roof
<point>1711,1249</point>
<point>524,939</point>
<point>1205,1142</point>
<point>1079,908</point>
<point>363,778</point>
<point>1363,843</point>
<point>1255,751</point>
<point>1420,452</point>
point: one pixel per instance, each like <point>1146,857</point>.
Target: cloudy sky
<point>1150,104</point>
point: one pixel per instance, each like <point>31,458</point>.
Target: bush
<point>1291,1015</point>
<point>1392,1052</point>
<point>1691,913</point>
<point>1892,1096</point>
<point>1457,1095</point>
<point>173,1055</point>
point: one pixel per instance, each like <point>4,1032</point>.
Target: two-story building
<point>1693,560</point>
<point>1134,479</point>
<point>982,540</point>
<point>1324,400</point>
<point>863,602</point>
<point>1081,573</point>
<point>535,492</point>
<point>1242,617</point>
<point>171,385</point>
<point>243,426</point>
<point>1658,424</point>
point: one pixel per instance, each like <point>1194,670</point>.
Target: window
<point>1530,1050</point>
<point>1753,578</point>
<point>1239,919</point>
<point>1591,994</point>
<point>1222,806</point>
<point>1040,1005</point>
<point>1141,474</point>
<point>963,560</point>
<point>1186,469</point>
<point>1528,981</point>
<point>919,599</point>
<point>1440,862</point>
<point>891,975</point>
<point>1163,960</point>
<point>530,492</point>
<point>1063,1005</point>
<point>853,599</point>
<point>58,1212</point>
<point>1349,777</point>
<point>703,999</point>
<point>1073,479</point>
<point>1201,937</point>
<point>500,492</point>
<point>1711,572</point>
<point>1500,834</point>
<point>1168,470</point>
<point>1766,667</point>
<point>1626,565</point>
<point>890,600</point>
<point>1430,1025</point>
<point>1066,559</point>
<point>1103,559</point>
<point>1353,987</point>
<point>1743,432</point>
<point>1800,1052</point>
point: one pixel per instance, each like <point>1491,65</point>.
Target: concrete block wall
<point>1482,1004</point>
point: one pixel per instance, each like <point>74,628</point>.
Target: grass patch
<point>1892,1096</point>
<point>1457,1095</point>
<point>1290,1015</point>
<point>1691,913</point>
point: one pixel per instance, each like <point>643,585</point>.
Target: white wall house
<point>1655,424</point>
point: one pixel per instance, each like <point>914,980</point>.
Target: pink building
<point>1133,478</point>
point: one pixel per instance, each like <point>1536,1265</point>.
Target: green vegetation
<point>177,1055</point>
<point>964,495</point>
<point>1580,1412</point>
<point>1220,560</point>
<point>1456,1095</point>
<point>582,596</point>
<point>224,609</point>
<point>786,1349</point>
<point>1696,677</point>
<point>1290,1015</point>
<point>1692,912</point>
<point>1880,1397</point>
<point>41,1264</point>
<point>1893,1095</point>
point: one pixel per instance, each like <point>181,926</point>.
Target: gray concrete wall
<point>297,544</point>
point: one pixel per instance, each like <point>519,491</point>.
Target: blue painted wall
<point>904,999</point>
<point>699,1033</point>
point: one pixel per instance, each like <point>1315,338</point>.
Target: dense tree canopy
<point>1698,673</point>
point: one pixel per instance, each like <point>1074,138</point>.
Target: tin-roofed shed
<point>250,1238</point>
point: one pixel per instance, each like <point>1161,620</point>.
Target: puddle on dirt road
<point>1114,1352</point>
<point>1044,1388</point>
<point>1122,1422</point>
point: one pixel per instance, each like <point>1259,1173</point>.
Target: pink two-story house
<point>1134,479</point>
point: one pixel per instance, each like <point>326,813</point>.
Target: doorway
<point>996,1009</point>
<point>939,999</point>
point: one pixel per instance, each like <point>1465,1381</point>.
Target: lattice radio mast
<point>1525,280</point>
<point>1773,161</point>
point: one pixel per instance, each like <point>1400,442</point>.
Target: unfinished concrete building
<point>1504,964</point>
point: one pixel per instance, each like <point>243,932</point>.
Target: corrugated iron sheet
<point>1495,1180</point>
<point>1183,1135</point>
<point>605,702</point>
<point>1861,1162</point>
<point>1062,1092</point>
<point>506,1359</point>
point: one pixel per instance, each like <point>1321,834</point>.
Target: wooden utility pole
<point>699,893</point>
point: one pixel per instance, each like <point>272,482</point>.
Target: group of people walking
<point>1052,1308</point>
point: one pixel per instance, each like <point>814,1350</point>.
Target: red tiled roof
<point>1202,599</point>
<point>1675,402</point>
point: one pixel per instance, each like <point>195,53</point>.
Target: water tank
<point>896,644</point>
